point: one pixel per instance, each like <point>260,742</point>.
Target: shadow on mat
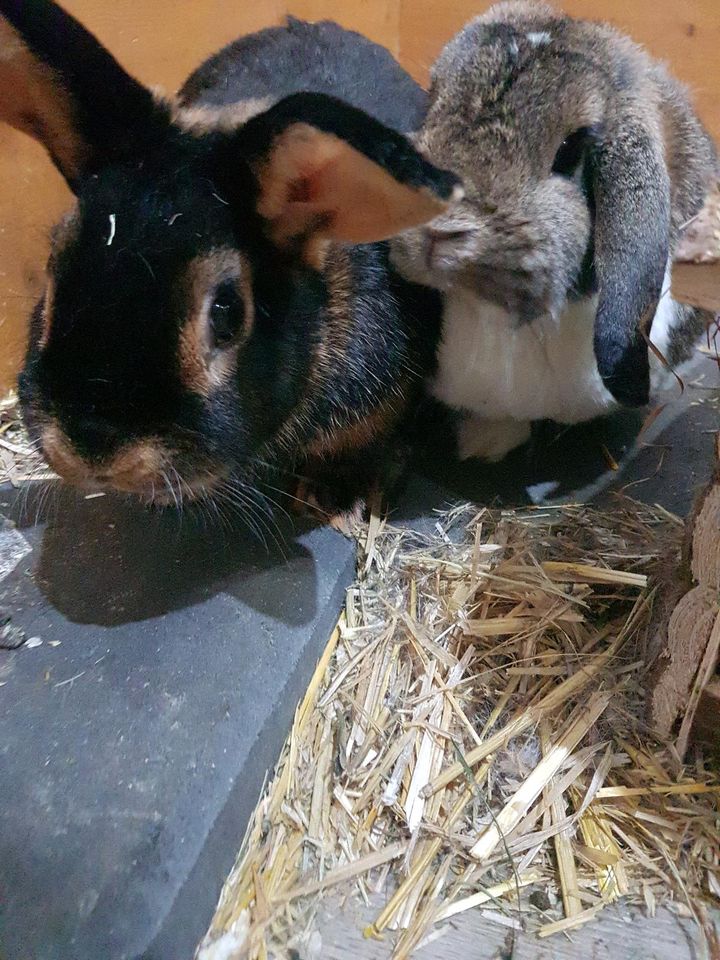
<point>108,561</point>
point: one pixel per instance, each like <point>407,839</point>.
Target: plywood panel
<point>160,41</point>
<point>686,35</point>
<point>31,198</point>
<point>618,932</point>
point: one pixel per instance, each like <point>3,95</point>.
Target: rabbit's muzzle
<point>144,469</point>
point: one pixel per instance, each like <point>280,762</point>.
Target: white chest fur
<point>494,369</point>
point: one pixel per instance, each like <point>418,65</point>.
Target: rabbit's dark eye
<point>227,314</point>
<point>571,153</point>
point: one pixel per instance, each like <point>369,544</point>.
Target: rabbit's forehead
<point>518,89</point>
<point>160,210</point>
<point>520,142</point>
<point>131,280</point>
<point>128,246</point>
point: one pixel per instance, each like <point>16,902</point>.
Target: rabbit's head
<point>560,133</point>
<point>180,322</point>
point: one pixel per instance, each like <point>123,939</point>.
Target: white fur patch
<point>496,370</point>
<point>490,439</point>
<point>539,38</point>
<point>665,316</point>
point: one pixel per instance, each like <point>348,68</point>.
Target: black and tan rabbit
<point>220,298</point>
<point>581,160</point>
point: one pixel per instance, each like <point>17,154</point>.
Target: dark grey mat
<point>136,738</point>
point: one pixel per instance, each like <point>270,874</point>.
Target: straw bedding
<point>20,462</point>
<point>473,738</point>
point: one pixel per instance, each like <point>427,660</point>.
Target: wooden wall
<point>160,41</point>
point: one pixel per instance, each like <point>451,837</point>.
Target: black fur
<point>109,373</point>
<point>111,111</point>
<point>368,136</point>
<point>322,57</point>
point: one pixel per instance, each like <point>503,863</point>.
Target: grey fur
<point>505,93</point>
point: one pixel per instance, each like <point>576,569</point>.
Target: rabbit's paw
<point>490,440</point>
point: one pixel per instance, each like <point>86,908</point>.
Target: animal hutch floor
<point>620,934</point>
<point>155,678</point>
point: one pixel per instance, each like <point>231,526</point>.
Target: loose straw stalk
<point>567,874</point>
<point>518,806</point>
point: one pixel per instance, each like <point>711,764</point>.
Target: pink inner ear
<point>314,183</point>
<point>300,191</point>
<point>311,185</point>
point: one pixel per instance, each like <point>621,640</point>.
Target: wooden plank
<point>696,276</point>
<point>32,197</point>
<point>163,41</point>
<point>697,284</point>
<point>617,933</point>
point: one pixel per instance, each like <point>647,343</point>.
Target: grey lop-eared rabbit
<point>219,301</point>
<point>581,160</point>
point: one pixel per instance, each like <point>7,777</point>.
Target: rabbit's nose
<point>98,434</point>
<point>440,234</point>
<point>136,468</point>
<point>442,240</point>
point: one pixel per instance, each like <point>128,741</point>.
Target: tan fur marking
<point>330,357</point>
<point>137,468</point>
<point>315,182</point>
<point>63,459</point>
<point>341,290</point>
<point>355,435</point>
<point>316,252</point>
<point>333,346</point>
<point>65,231</point>
<point>199,121</point>
<point>33,100</point>
<point>203,369</point>
<point>330,349</point>
<point>62,235</point>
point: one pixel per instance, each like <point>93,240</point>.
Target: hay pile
<point>20,462</point>
<point>473,739</point>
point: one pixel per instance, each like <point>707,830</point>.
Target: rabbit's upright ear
<point>325,169</point>
<point>58,84</point>
<point>632,223</point>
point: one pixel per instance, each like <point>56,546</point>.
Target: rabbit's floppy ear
<point>632,224</point>
<point>60,85</point>
<point>326,169</point>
